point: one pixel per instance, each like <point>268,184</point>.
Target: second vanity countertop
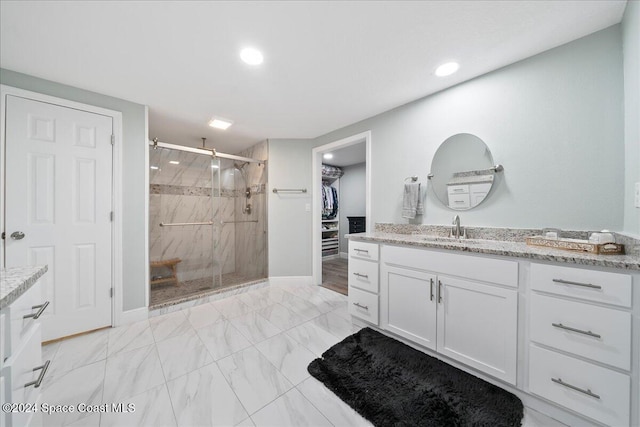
<point>16,281</point>
<point>517,249</point>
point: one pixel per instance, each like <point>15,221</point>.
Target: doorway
<point>58,205</point>
<point>345,146</point>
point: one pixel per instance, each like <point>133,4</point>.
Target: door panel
<point>58,192</point>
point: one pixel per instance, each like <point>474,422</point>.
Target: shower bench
<point>171,264</point>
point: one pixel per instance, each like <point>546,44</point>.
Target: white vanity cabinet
<point>22,366</point>
<point>580,340</point>
<point>464,307</point>
<point>363,280</point>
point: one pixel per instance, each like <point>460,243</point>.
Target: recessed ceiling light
<point>447,69</point>
<point>155,168</point>
<point>328,156</point>
<point>219,123</point>
<point>251,56</point>
<point>174,162</point>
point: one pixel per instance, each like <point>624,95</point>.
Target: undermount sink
<point>444,239</point>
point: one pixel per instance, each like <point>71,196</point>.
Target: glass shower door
<point>216,228</point>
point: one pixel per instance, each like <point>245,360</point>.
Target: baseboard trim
<point>290,280</point>
<point>132,316</point>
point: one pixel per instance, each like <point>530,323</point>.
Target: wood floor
<point>335,275</point>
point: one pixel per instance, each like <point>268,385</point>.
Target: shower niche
<point>207,222</point>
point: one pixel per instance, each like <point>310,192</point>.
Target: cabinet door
<point>408,304</point>
<point>477,325</point>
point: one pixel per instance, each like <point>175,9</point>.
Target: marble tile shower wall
<point>182,193</point>
<point>251,238</point>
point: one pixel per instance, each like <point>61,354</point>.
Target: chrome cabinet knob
<point>17,235</point>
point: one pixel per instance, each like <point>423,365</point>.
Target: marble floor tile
<point>255,327</point>
<point>128,337</point>
<point>254,379</point>
<point>49,350</point>
<point>222,339</point>
<point>203,315</point>
<point>302,307</point>
<point>169,325</point>
<point>256,299</point>
<point>203,398</point>
<point>129,373</point>
<point>277,294</point>
<point>291,409</point>
<point>245,423</point>
<point>281,316</point>
<point>152,409</point>
<point>79,351</point>
<point>289,356</point>
<point>81,385</point>
<point>334,324</point>
<point>330,405</point>
<point>343,312</point>
<point>182,354</point>
<point>313,337</point>
<point>231,307</point>
<point>91,420</point>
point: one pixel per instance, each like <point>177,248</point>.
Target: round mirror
<point>462,172</point>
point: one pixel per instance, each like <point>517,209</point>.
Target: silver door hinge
<point>113,140</point>
<point>111,215</point>
<point>111,292</point>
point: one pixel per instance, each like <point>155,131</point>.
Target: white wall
<point>631,54</point>
<point>555,121</point>
<point>133,167</point>
<point>352,198</point>
<point>289,221</point>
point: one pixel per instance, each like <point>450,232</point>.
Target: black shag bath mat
<point>392,384</point>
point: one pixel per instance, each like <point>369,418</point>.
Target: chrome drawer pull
<point>361,250</point>
<point>42,308</point>
<point>585,285</point>
<point>361,306</point>
<point>361,275</point>
<point>580,331</point>
<point>37,382</point>
<point>572,387</point>
<point>439,291</point>
<point>430,289</point>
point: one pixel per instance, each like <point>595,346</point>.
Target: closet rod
<point>289,190</point>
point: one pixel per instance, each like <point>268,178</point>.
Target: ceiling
<point>327,63</point>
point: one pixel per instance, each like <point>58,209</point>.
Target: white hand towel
<point>411,200</point>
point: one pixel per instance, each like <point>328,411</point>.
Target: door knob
<point>17,235</point>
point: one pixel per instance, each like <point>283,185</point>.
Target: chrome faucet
<point>456,230</point>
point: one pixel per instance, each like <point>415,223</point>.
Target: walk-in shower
<point>207,221</point>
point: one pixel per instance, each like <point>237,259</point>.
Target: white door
<point>478,325</point>
<point>410,304</point>
<point>58,193</point>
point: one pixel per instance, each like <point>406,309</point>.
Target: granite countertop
<point>16,281</point>
<point>509,248</point>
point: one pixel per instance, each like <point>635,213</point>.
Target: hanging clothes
<point>329,201</point>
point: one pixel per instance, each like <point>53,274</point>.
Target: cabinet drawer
<point>458,189</point>
<point>601,334</point>
<point>21,371</point>
<point>363,250</point>
<point>592,285</point>
<point>23,306</point>
<point>363,305</point>
<point>611,402</point>
<point>459,201</point>
<point>363,275</point>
